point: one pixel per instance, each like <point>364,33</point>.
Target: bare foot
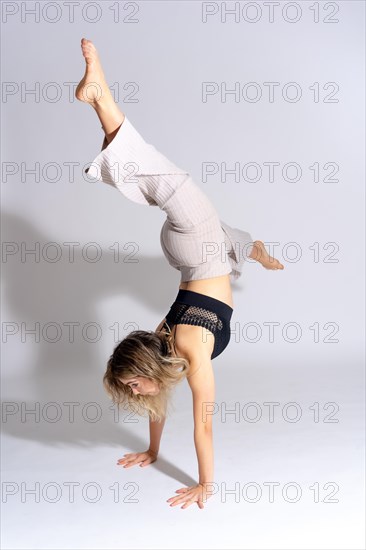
<point>260,254</point>
<point>93,87</point>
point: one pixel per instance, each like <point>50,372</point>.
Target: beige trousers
<point>193,238</point>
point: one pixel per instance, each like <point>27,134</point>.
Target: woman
<point>146,365</point>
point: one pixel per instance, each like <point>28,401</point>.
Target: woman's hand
<point>188,495</point>
<point>145,458</point>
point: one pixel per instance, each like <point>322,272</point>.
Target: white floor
<point>314,466</point>
<point>319,377</point>
<point>157,68</point>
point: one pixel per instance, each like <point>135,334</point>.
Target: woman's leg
<point>93,89</point>
<point>240,247</point>
<point>126,161</point>
<point>160,175</point>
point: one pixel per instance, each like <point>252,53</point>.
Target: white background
<point>169,52</point>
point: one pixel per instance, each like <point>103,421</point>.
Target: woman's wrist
<point>152,451</point>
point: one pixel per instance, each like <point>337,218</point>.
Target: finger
<point>131,463</point>
<point>188,503</point>
<point>180,500</point>
<point>175,503</point>
<point>175,500</point>
<point>182,493</point>
<point>175,497</point>
<point>125,457</point>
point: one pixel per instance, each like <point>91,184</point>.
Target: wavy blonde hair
<point>147,354</point>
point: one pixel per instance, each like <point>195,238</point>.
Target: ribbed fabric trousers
<point>193,238</point>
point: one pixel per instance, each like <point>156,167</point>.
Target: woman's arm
<point>202,384</point>
<point>204,450</point>
<point>146,457</point>
<point>201,380</point>
<point>156,429</point>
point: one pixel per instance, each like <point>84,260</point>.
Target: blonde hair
<point>147,354</point>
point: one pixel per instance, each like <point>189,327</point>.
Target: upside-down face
<point>142,385</point>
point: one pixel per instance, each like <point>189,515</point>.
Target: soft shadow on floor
<point>62,373</point>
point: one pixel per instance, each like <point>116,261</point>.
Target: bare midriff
<point>216,287</point>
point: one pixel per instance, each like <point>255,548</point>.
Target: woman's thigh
<point>202,245</point>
